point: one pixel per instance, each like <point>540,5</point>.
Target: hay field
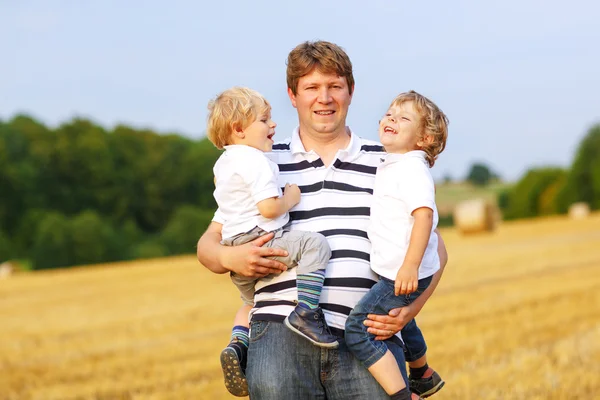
<point>517,316</point>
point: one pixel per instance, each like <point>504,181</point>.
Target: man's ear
<point>292,97</point>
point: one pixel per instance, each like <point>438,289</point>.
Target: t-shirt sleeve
<point>415,185</point>
<point>219,217</point>
<point>261,175</point>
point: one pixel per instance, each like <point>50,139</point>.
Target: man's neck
<point>326,146</point>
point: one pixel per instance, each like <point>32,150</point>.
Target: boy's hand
<point>292,194</point>
<point>407,280</point>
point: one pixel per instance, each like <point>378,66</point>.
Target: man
<point>335,170</point>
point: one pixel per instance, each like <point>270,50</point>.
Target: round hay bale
<point>476,215</point>
<point>579,210</point>
<point>6,269</point>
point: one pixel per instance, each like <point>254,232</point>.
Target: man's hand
<point>407,280</point>
<point>250,260</point>
<point>385,326</point>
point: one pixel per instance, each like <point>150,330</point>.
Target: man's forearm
<point>208,249</point>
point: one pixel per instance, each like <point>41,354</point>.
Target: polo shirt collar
<point>390,158</point>
<point>241,148</point>
<point>352,149</point>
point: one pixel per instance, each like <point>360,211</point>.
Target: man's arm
<point>246,260</point>
<point>384,326</point>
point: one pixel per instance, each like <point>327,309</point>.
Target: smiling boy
<point>250,205</point>
<point>404,245</point>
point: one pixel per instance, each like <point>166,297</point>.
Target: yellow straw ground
<point>517,316</point>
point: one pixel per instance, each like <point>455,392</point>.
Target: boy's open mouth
<point>387,129</point>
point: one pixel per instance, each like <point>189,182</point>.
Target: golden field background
<point>516,316</point>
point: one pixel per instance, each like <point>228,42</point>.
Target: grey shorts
<point>308,251</point>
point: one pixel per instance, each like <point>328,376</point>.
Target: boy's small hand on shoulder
<point>292,193</point>
<point>407,280</point>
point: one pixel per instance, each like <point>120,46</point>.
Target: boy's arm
<point>408,275</point>
<point>384,326</point>
<point>276,206</point>
<point>247,260</point>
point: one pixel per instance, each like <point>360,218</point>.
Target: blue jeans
<point>380,300</point>
<point>283,365</point>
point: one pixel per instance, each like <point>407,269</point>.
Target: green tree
<point>583,180</point>
<point>185,228</point>
<point>479,174</point>
<point>52,244</point>
<point>523,199</point>
<point>91,238</point>
<point>6,251</point>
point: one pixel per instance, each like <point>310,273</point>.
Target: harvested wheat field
<point>516,316</point>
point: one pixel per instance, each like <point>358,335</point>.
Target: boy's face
<point>400,127</point>
<point>259,134</point>
<point>322,102</point>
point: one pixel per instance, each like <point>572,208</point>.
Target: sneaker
<point>311,325</point>
<point>233,363</point>
<point>426,387</point>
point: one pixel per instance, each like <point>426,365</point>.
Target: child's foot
<point>233,363</point>
<point>429,384</point>
<point>311,325</point>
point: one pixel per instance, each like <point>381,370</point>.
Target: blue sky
<point>519,80</point>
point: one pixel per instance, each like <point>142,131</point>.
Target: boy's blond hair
<point>233,110</point>
<point>433,120</point>
<point>326,57</point>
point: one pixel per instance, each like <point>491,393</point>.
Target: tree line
<point>81,194</point>
<point>551,190</point>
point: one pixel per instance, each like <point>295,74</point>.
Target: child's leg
<point>387,372</point>
<point>234,356</point>
<point>374,354</point>
<point>241,325</point>
<point>311,252</point>
<point>423,379</point>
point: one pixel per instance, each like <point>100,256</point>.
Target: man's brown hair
<point>326,57</point>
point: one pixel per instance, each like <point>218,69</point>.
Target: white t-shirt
<point>403,183</point>
<point>244,176</point>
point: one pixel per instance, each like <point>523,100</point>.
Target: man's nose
<point>324,95</point>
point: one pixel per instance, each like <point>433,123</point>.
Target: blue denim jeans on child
<point>380,300</point>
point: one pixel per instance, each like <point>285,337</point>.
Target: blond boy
<point>251,204</point>
<point>404,246</point>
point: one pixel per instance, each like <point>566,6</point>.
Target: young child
<point>250,204</point>
<point>404,250</point>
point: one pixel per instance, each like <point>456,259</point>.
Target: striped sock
<point>241,333</point>
<point>309,288</point>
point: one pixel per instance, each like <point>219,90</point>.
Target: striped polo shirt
<point>335,202</point>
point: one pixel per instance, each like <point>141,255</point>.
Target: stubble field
<point>516,316</point>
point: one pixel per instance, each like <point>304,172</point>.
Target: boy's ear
<point>425,140</point>
<point>237,130</point>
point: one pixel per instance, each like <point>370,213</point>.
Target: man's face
<point>322,101</point>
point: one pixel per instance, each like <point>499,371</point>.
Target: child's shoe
<point>426,387</point>
<point>311,325</point>
<point>233,363</point>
